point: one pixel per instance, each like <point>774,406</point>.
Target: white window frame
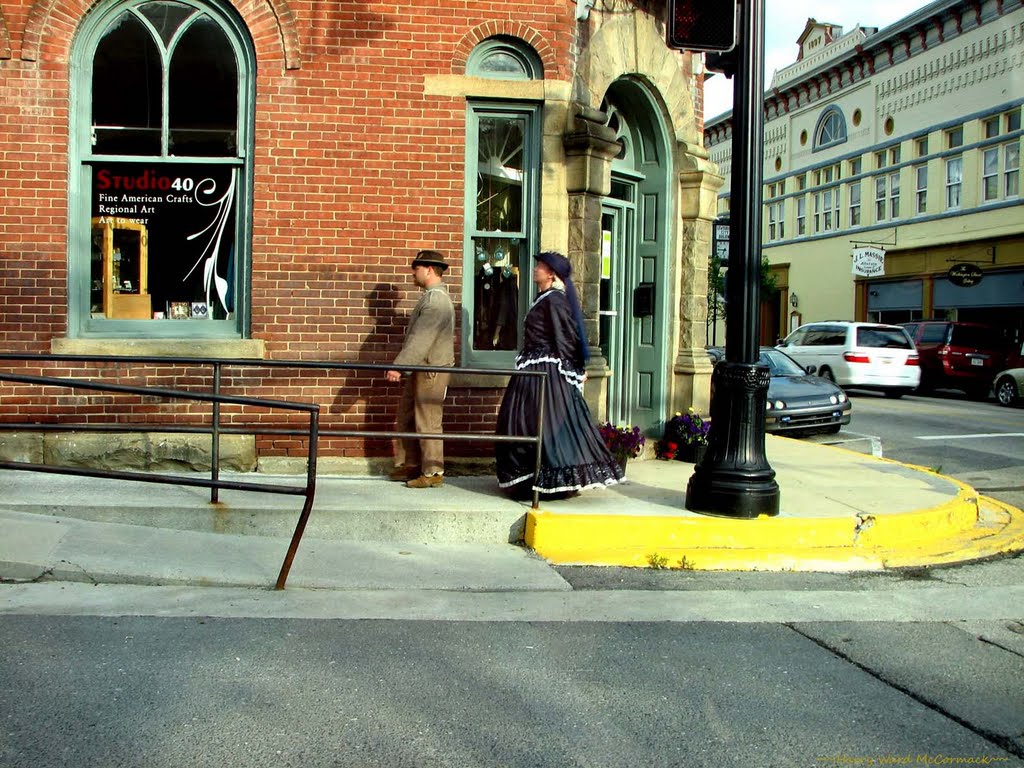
<point>990,167</point>
<point>826,209</point>
<point>921,189</point>
<point>776,221</point>
<point>894,195</point>
<point>954,182</point>
<point>881,195</point>
<point>1011,169</point>
<point>1000,172</point>
<point>854,205</point>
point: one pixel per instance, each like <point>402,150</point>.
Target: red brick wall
<point>355,169</point>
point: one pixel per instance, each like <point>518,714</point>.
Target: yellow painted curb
<point>967,527</point>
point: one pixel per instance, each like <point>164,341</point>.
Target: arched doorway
<point>634,322</point>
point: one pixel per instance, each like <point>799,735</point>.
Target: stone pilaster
<point>589,148</point>
<point>699,184</point>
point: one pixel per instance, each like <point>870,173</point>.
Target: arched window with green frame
<point>504,58</point>
<point>503,172</point>
<point>160,171</point>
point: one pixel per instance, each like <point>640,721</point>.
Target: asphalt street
<point>170,692</point>
<point>619,667</point>
<point>632,666</point>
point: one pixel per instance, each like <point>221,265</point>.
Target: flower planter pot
<point>691,452</point>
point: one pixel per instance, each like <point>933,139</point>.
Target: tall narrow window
<point>887,197</point>
<point>854,195</point>
<point>801,216</point>
<point>158,246</point>
<point>1011,170</point>
<point>990,174</point>
<point>776,222</point>
<point>921,189</point>
<point>1000,164</point>
<point>826,210</point>
<point>894,195</point>
<point>954,181</point>
<point>881,195</point>
<point>503,167</point>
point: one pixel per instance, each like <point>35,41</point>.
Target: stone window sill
<point>248,349</point>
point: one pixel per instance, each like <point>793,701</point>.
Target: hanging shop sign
<point>869,262</point>
<point>965,275</point>
<point>720,241</point>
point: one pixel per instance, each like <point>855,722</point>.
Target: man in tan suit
<point>429,340</point>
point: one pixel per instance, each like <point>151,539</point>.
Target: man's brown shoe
<point>427,481</point>
<point>403,473</point>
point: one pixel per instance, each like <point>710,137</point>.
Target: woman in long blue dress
<point>574,456</point>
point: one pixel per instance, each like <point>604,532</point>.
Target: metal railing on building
<point>216,428</point>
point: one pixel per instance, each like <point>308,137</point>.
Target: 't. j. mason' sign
<point>965,275</point>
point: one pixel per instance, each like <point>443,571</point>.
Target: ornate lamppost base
<point>734,478</point>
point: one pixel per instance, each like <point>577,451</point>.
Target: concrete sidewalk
<point>840,511</point>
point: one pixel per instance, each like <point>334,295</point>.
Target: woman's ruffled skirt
<point>574,456</point>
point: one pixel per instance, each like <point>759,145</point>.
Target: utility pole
<point>734,479</point>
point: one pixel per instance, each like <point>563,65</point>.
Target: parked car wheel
<point>1006,391</point>
<point>826,374</point>
<point>895,394</point>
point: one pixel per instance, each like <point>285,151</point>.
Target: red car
<point>965,356</point>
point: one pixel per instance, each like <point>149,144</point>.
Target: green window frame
<point>160,172</point>
<point>503,164</point>
<point>504,58</point>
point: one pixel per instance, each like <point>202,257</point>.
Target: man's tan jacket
<point>430,336</point>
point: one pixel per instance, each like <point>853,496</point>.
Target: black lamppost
<point>734,479</point>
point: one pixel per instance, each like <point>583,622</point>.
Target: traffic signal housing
<point>703,25</point>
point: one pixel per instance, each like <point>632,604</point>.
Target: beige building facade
<point>890,157</point>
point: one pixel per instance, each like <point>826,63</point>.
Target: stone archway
<point>630,48</point>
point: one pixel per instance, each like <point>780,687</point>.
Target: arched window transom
<point>505,58</point>
<point>831,129</point>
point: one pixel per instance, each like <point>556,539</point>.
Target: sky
<point>785,20</point>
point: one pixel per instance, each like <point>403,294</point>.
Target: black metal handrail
<point>214,483</point>
<point>215,429</point>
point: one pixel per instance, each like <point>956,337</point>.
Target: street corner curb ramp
<point>967,527</point>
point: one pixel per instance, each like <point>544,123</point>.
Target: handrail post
<point>540,442</point>
<point>215,437</point>
<point>307,507</point>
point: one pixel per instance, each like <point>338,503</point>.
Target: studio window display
<point>162,151</point>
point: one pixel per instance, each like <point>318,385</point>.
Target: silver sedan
<point>1009,386</point>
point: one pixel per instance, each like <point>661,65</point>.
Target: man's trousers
<point>420,410</point>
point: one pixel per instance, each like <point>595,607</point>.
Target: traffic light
<point>703,25</point>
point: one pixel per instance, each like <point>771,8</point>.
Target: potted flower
<point>624,443</point>
<point>686,437</point>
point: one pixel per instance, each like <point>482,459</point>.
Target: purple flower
<point>622,442</point>
<point>690,428</point>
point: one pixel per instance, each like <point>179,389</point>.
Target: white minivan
<point>860,355</point>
